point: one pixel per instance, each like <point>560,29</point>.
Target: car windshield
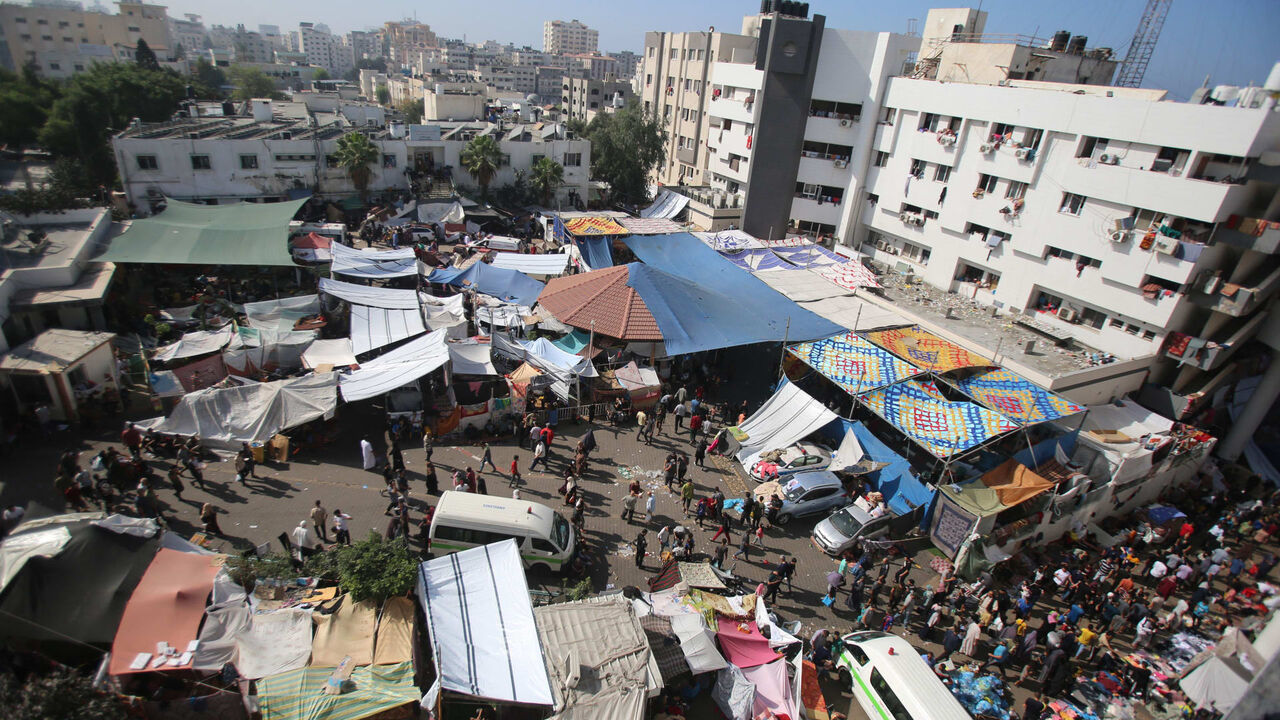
<point>560,531</point>
<point>845,523</point>
<point>794,491</point>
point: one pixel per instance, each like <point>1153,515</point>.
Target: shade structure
<point>599,659</point>
<point>596,250</point>
<point>745,649</point>
<point>542,264</point>
<point>403,365</point>
<point>849,275</point>
<point>372,327</point>
<point>667,204</point>
<point>388,298</point>
<point>601,299</point>
<point>854,363</point>
<point>1016,397</point>
<point>1015,483</point>
<point>902,490</point>
<point>166,606</point>
<point>595,225</point>
<point>729,240</point>
<point>940,426</point>
<point>926,350</point>
<point>808,255</point>
<point>372,263</point>
<point>790,415</point>
<point>311,241</point>
<point>756,259</point>
<point>651,226</point>
<point>480,625</point>
<point>196,343</point>
<point>191,234</point>
<point>299,694</point>
<point>507,285</point>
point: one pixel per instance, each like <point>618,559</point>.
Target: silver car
<point>806,493</point>
<point>801,457</point>
<point>839,531</point>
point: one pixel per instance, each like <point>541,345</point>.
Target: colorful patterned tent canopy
<point>809,255</point>
<point>942,427</point>
<point>853,363</point>
<point>926,349</point>
<point>850,276</point>
<point>1016,397</point>
<point>596,225</point>
<point>756,259</point>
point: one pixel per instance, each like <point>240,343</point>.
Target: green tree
<point>545,176</point>
<point>320,74</point>
<point>356,153</point>
<point>412,111</point>
<point>251,83</point>
<point>376,569</point>
<point>102,101</point>
<point>209,78</point>
<point>625,147</point>
<point>145,56</point>
<point>63,694</point>
<point>25,101</point>
<point>384,95</point>
<point>482,158</point>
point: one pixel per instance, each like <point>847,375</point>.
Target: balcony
<point>823,171</point>
<point>688,156</point>
<point>1239,299</point>
<point>1250,234</point>
<point>1207,354</point>
<point>735,110</point>
<point>1203,200</point>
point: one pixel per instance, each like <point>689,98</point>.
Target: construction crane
<point>1143,44</point>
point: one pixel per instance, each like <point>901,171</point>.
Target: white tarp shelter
<point>855,314</point>
<point>387,298</point>
<point>471,357</point>
<point>698,644</point>
<point>801,285</point>
<point>734,694</point>
<point>398,367</point>
<point>542,264</point>
<point>373,327</point>
<point>373,263</point>
<point>1219,677</point>
<point>196,343</point>
<point>1127,417</point>
<point>281,315</point>
<point>502,315</point>
<point>848,454</point>
<point>598,659</point>
<point>336,352</point>
<point>790,415</point>
<point>226,417</point>
<point>729,240</point>
<point>20,547</point>
<point>443,311</point>
<point>668,204</point>
<point>440,213</point>
<point>480,624</point>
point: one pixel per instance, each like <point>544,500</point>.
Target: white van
<point>465,520</point>
<point>890,681</point>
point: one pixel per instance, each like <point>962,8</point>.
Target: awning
<point>373,263</point>
<point>373,689</point>
<point>336,352</point>
<point>926,350</point>
<point>603,636</point>
<point>281,314</point>
<point>471,357</point>
<point>481,627</point>
<point>507,285</point>
<point>729,240</point>
<point>651,226</point>
<point>544,354</point>
<point>166,606</point>
<point>854,363</point>
<point>405,364</point>
<point>940,426</point>
<point>441,212</point>
<point>902,490</point>
<point>1015,483</point>
<point>443,312</point>
<point>1016,398</point>
<point>372,327</point>
<point>597,251</point>
<point>667,204</point>
<point>388,298</point>
<point>1127,417</point>
<point>756,259</point>
<point>852,313</point>
<point>743,649</point>
<point>790,415</point>
<point>190,234</point>
<point>595,225</point>
<point>541,264</point>
<point>251,413</point>
<point>196,343</point>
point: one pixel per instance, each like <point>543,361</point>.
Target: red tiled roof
<point>601,296</point>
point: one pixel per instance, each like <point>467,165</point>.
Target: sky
<point>1235,42</point>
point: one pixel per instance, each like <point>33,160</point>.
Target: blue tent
<point>508,285</point>
<point>703,301</point>
<point>597,250</point>
<point>902,490</point>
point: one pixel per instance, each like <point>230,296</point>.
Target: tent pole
<point>857,317</point>
<point>782,356</point>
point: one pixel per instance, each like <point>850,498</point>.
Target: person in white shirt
<point>1159,569</point>
<point>305,540</point>
<point>341,533</point>
<point>366,454</point>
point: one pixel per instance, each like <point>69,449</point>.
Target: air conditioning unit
<point>946,139</point>
<point>1120,236</point>
<point>1068,314</point>
<point>987,148</point>
<point>842,163</point>
<point>844,123</point>
<point>911,218</point>
<point>1108,159</point>
<point>1022,153</point>
<point>1165,244</point>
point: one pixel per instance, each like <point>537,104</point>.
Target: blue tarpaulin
<point>597,251</point>
<point>1161,514</point>
<point>710,298</point>
<point>574,342</point>
<point>509,285</point>
<point>901,489</point>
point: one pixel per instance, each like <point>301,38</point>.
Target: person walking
<point>539,455</point>
<point>245,464</point>
<point>341,533</point>
<point>319,517</point>
<point>664,538</point>
<point>648,431</point>
<point>433,482</point>
<point>680,413</point>
<point>175,480</point>
<point>515,472</point>
<point>369,460</point>
<point>305,541</point>
<point>650,507</point>
<point>487,457</point>
<point>535,434</point>
<point>629,507</point>
<point>695,425</point>
<point>428,443</point>
<point>686,495</point>
<point>209,516</point>
<point>641,418</point>
<point>700,453</point>
<point>772,585</point>
<point>669,471</point>
<point>658,416</point>
<point>641,543</point>
<point>744,547</point>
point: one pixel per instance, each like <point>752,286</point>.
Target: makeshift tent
<point>273,643</point>
<point>651,226</point>
<point>438,213</point>
<point>471,357</point>
<point>281,314</point>
<point>667,204</point>
<point>849,275</point>
<point>806,286</point>
<point>601,300</point>
<point>697,642</point>
<point>940,426</point>
<point>1015,483</point>
<point>544,355</point>
<point>372,328</point>
<point>729,240</point>
<point>597,252</point>
<point>191,234</point>
<point>312,248</point>
<point>641,382</point>
<point>1128,418</point>
<point>347,632</point>
<point>742,643</point>
<point>401,366</point>
<point>542,264</point>
<point>773,689</point>
<point>734,694</point>
<point>372,689</point>
<point>507,285</point>
<point>502,315</point>
<point>926,350</point>
<point>336,353</point>
<point>790,415</point>
<point>480,625</point>
<point>594,225</point>
<point>852,313</point>
<point>598,658</point>
<point>699,298</point>
<point>902,490</point>
<point>372,263</point>
<point>250,413</point>
<point>575,342</point>
<point>166,606</point>
<point>664,646</point>
<point>387,298</point>
<point>808,255</point>
<point>853,363</point>
<point>196,343</point>
<point>443,312</point>
<point>18,548</point>
<point>394,641</point>
<point>756,259</point>
<point>1015,397</point>
<point>1219,677</point>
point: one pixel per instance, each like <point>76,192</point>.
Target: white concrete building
<point>189,32</point>
<point>584,98</point>
<point>62,41</point>
<point>323,48</point>
<point>569,38</point>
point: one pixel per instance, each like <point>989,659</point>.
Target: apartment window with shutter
<point>248,162</point>
<point>1072,204</point>
<point>147,162</point>
<point>882,159</point>
<point>572,159</point>
<point>1016,190</point>
<point>941,173</point>
<point>201,162</point>
<point>986,183</point>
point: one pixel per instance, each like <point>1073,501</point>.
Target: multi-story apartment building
<point>583,98</point>
<point>403,40</point>
<point>569,38</point>
<point>514,78</point>
<point>188,32</point>
<point>323,48</point>
<point>674,82</point>
<point>364,44</point>
<point>272,150</point>
<point>596,66</point>
<point>272,34</point>
<point>248,46</point>
<point>60,41</point>
<point>628,63</point>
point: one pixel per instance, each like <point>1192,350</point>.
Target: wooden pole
<point>786,335</point>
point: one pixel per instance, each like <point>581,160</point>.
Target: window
<point>887,696</point>
<point>248,162</point>
<point>148,162</point>
<point>134,29</point>
<point>648,79</point>
<point>986,184</point>
<point>543,546</point>
<point>331,162</point>
<point>294,157</point>
<point>1148,335</point>
<point>1072,204</point>
<point>79,67</point>
<point>55,66</point>
<point>1016,190</point>
<point>24,36</point>
<point>1092,318</point>
<point>201,162</point>
<point>857,653</point>
<point>1090,145</point>
<point>674,53</point>
<point>928,121</point>
<point>930,215</point>
<point>42,21</point>
<point>572,160</point>
<point>882,159</point>
<point>942,173</point>
<point>1117,323</point>
<point>66,39</point>
<point>651,51</point>
<point>388,161</point>
<point>48,38</point>
<point>1001,129</point>
<point>917,168</point>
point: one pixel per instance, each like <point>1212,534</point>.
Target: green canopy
<point>298,694</point>
<point>190,234</point>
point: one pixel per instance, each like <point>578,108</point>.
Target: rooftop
<point>59,245</point>
<point>53,350</point>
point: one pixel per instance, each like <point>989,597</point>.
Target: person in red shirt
<point>547,436</point>
<point>695,425</point>
<point>132,439</point>
<point>515,471</point>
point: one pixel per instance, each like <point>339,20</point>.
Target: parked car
<point>801,457</point>
<point>806,493</point>
<point>844,526</point>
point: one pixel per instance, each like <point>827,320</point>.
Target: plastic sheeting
<point>196,343</point>
<point>443,312</point>
<point>281,314</point>
<point>597,252</point>
<point>697,642</point>
<point>742,643</point>
<point>192,234</point>
<point>373,689</point>
<point>854,363</point>
<point>594,225</point>
<point>926,349</point>
<point>251,413</point>
<point>543,264</point>
<point>1127,417</point>
<point>852,313</point>
<point>667,204</point>
<point>729,240</point>
<point>902,490</point>
<point>502,315</point>
<point>773,690</point>
<point>336,352</point>
<point>481,627</point>
<point>403,365</point>
<point>651,226</point>
<point>940,426</point>
<point>347,632</point>
<point>756,259</point>
<point>543,354</point>
<point>387,298</point>
<point>19,548</point>
<point>790,415</point>
<point>372,327</point>
<point>601,643</point>
<point>471,357</point>
<point>506,285</point>
<point>166,606</point>
<point>734,694</point>
<point>372,264</point>
<point>394,641</point>
<point>439,213</point>
<point>1016,398</point>
<point>699,298</point>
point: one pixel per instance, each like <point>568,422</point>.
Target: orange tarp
<point>168,605</point>
<point>1015,483</point>
<point>926,350</point>
<point>594,226</point>
<point>815,706</point>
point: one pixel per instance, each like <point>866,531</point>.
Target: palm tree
<point>356,153</point>
<point>545,176</point>
<point>481,158</point>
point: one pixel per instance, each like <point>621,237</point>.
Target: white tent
<point>667,204</point>
<point>503,315</point>
<point>373,263</point>
<point>227,417</point>
<point>373,327</point>
<point>1217,683</point>
<point>335,352</point>
<point>443,312</point>
<point>480,624</point>
<point>790,415</point>
<point>471,357</point>
<point>542,264</point>
<point>280,315</point>
<point>598,658</point>
<point>848,454</point>
<point>196,343</point>
<point>698,644</point>
<point>398,367</point>
<point>1126,417</point>
<point>388,298</point>
<point>440,213</point>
